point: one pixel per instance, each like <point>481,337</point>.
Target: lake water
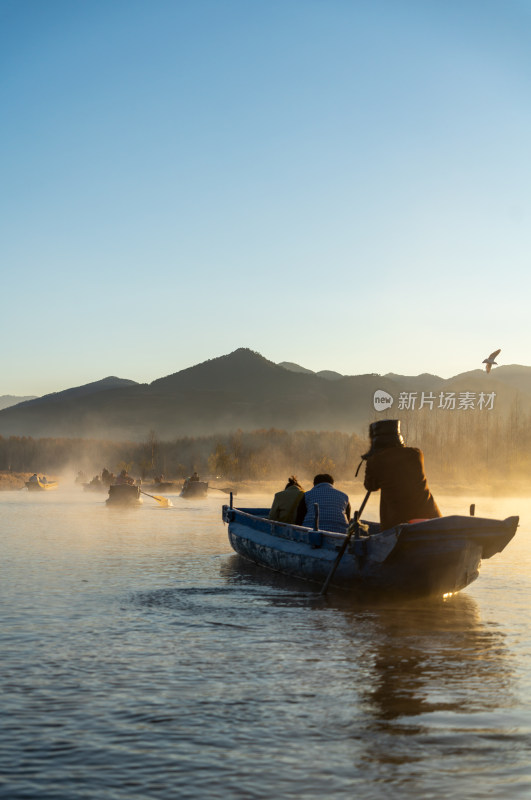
<point>141,658</point>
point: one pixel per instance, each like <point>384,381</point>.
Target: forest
<point>467,447</point>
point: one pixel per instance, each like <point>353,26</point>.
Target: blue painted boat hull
<point>432,557</point>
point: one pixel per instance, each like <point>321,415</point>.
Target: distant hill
<point>79,391</point>
<point>243,390</point>
<point>295,367</point>
<point>328,374</point>
<point>423,382</point>
<point>8,400</point>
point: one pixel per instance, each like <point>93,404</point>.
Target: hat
<point>383,434</point>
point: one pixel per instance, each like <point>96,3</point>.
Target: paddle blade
<point>163,501</point>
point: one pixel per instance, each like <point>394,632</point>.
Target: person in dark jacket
<point>123,477</point>
<point>398,472</point>
<point>334,506</point>
<point>285,504</point>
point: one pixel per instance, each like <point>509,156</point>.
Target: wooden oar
<point>163,501</point>
<point>354,526</point>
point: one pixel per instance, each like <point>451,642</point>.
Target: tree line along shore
<point>460,452</point>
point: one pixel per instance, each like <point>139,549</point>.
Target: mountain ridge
<point>8,400</point>
<point>103,385</point>
<point>242,390</point>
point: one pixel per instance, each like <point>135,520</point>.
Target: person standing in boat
<point>194,476</point>
<point>285,504</point>
<point>334,506</point>
<point>398,472</point>
<point>123,477</point>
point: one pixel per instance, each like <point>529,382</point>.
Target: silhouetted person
<point>194,477</point>
<point>398,472</point>
<point>123,477</point>
<point>334,506</point>
<point>285,503</point>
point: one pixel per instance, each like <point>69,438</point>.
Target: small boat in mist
<point>41,486</point>
<point>124,494</point>
<point>162,486</point>
<point>95,487</point>
<point>431,557</point>
<point>192,488</point>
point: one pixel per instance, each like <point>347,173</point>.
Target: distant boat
<point>426,557</point>
<point>124,494</point>
<point>161,486</point>
<point>194,488</point>
<point>95,487</point>
<point>39,486</point>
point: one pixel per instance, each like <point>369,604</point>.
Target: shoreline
<point>12,481</point>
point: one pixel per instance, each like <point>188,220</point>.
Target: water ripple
<point>141,659</point>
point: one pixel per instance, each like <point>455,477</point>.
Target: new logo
<point>381,400</point>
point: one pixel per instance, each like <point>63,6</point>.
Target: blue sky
<point>342,184</point>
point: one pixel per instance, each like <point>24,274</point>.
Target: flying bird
<point>490,360</point>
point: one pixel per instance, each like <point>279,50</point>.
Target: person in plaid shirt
<point>334,506</point>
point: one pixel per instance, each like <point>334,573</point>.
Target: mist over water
<point>142,658</point>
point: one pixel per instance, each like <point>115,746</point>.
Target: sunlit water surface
<point>141,658</point>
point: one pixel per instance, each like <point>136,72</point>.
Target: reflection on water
<point>141,658</point>
<point>437,658</point>
<point>420,655</point>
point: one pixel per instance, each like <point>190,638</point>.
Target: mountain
<point>422,382</point>
<point>8,400</point>
<point>513,375</point>
<point>328,374</point>
<point>245,390</point>
<point>295,367</point>
<point>79,391</point>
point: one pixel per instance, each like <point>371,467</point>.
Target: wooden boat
<point>162,486</point>
<point>39,486</point>
<point>427,557</point>
<point>124,494</point>
<point>95,487</point>
<point>194,488</point>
